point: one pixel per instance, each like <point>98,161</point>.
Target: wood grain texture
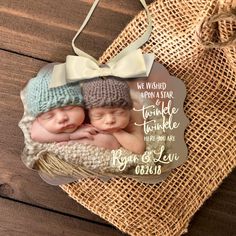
<point>18,219</point>
<point>16,181</point>
<point>217,217</point>
<point>35,28</point>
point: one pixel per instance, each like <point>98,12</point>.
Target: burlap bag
<point>227,28</point>
<point>166,208</point>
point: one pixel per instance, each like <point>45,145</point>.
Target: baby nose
<point>62,117</point>
<point>110,119</point>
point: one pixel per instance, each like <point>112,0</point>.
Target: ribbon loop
<point>104,71</point>
<point>129,63</point>
<point>79,68</point>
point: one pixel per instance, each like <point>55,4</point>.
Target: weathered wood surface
<point>17,181</point>
<point>19,219</point>
<point>44,29</point>
<point>31,34</point>
<point>217,217</point>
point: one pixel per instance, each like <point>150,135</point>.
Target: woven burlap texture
<point>227,29</point>
<point>166,208</point>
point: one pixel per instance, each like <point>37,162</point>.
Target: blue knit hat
<point>40,98</point>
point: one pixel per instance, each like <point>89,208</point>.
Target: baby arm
<point>40,134</point>
<point>133,142</point>
<point>88,134</point>
<point>103,140</point>
<point>132,137</point>
<point>85,131</point>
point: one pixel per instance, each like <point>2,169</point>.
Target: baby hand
<point>85,131</point>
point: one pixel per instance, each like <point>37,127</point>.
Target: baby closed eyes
<point>50,114</point>
<point>99,115</point>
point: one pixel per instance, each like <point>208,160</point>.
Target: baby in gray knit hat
<point>59,113</point>
<point>110,110</point>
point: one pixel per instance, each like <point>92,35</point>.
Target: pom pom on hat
<point>40,98</point>
<point>107,92</point>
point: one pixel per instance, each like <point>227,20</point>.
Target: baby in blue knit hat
<point>59,113</point>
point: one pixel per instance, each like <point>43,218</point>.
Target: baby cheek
<point>44,123</point>
<point>78,116</point>
<point>95,123</point>
<point>54,126</point>
<point>49,126</point>
<point>81,116</point>
<point>125,122</point>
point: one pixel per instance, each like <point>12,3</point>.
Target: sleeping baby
<point>59,114</point>
<point>110,111</point>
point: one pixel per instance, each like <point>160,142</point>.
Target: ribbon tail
<point>148,59</point>
<point>58,76</point>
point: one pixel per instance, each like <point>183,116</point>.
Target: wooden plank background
<point>33,33</point>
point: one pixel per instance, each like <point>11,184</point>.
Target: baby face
<point>109,119</point>
<point>63,119</point>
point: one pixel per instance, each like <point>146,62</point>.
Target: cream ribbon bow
<point>133,65</point>
<point>129,63</point>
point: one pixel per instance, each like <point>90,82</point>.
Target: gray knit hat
<point>40,98</point>
<point>107,92</point>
